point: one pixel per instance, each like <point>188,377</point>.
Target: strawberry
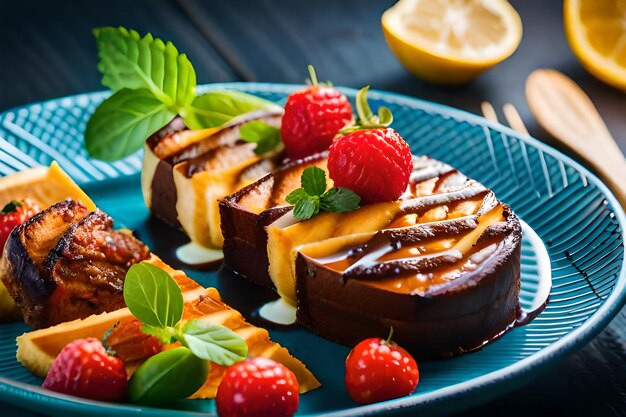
<point>312,118</point>
<point>379,370</point>
<point>371,159</point>
<point>14,214</point>
<point>85,369</point>
<point>257,387</point>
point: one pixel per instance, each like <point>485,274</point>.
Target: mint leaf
<point>121,124</point>
<point>214,343</point>
<point>153,296</point>
<point>218,107</point>
<point>266,137</point>
<point>296,196</point>
<point>313,197</point>
<point>306,208</point>
<point>130,61</point>
<point>314,181</point>
<point>339,200</point>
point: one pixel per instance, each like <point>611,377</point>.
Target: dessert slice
<point>43,187</point>
<point>66,263</point>
<point>440,265</point>
<point>186,171</point>
<point>37,349</point>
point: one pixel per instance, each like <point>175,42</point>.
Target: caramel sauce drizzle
<point>434,238</point>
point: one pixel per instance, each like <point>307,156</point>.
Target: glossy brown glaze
<point>67,263</point>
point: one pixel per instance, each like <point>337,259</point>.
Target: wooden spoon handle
<point>564,110</point>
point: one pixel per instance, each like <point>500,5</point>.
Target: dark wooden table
<point>47,51</point>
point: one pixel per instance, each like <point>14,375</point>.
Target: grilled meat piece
<point>67,263</point>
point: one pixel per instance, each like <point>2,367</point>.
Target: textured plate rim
<point>11,390</point>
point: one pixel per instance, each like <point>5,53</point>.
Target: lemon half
<point>451,42</point>
<point>596,32</point>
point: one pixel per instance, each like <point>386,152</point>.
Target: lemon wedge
<point>596,32</point>
<point>451,42</point>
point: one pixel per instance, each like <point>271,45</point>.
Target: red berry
<point>85,369</point>
<point>14,214</point>
<point>377,370</point>
<point>258,387</point>
<point>312,118</point>
<point>374,163</point>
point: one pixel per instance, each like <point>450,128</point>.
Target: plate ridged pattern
<point>562,202</point>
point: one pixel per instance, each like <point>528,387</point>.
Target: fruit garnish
<point>171,375</point>
<point>313,117</point>
<point>313,197</point>
<point>371,159</point>
<point>451,42</point>
<point>13,214</point>
<point>595,31</point>
<point>85,369</point>
<point>379,370</point>
<point>152,82</point>
<point>154,298</point>
<point>257,387</point>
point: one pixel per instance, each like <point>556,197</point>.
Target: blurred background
<point>48,51</point>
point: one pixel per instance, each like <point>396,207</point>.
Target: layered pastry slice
<point>441,265</point>
<point>186,171</point>
<point>37,349</point>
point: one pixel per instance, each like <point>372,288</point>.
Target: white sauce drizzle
<point>279,312</point>
<point>194,254</point>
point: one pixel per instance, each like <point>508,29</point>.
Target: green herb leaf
<point>216,108</point>
<point>164,334</point>
<point>307,208</point>
<point>121,124</point>
<point>313,197</point>
<point>296,196</point>
<point>214,343</point>
<point>168,376</point>
<point>266,137</point>
<point>11,207</point>
<point>314,181</point>
<point>153,296</point>
<point>339,200</point>
<point>130,61</point>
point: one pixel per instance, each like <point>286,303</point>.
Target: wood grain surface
<point>47,51</point>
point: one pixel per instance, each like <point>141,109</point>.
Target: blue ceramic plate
<point>579,222</point>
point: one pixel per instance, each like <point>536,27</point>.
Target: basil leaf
<point>153,296</point>
<point>216,108</point>
<point>121,124</point>
<point>164,334</point>
<point>339,200</point>
<point>168,376</point>
<point>11,207</point>
<point>313,181</point>
<point>306,208</point>
<point>265,136</point>
<point>214,343</point>
<point>129,61</point>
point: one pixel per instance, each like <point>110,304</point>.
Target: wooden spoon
<point>564,110</point>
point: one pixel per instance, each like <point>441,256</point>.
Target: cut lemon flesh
<point>596,32</point>
<point>451,41</point>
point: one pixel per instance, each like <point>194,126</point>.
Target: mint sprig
<point>313,197</point>
<point>152,82</point>
<point>155,299</point>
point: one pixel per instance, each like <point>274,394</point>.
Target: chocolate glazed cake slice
<point>440,265</point>
<point>445,274</point>
<point>186,171</point>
